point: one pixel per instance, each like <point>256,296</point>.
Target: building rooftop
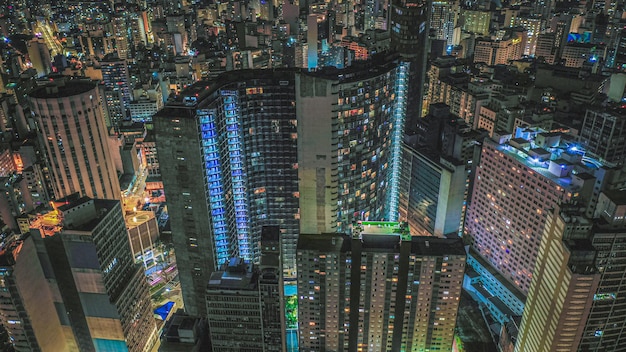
<point>62,87</point>
<point>237,274</point>
<point>184,104</point>
<point>196,93</point>
<point>428,245</point>
<point>382,228</point>
<point>420,245</point>
<point>137,218</point>
<point>325,242</point>
<point>82,214</point>
<point>562,152</point>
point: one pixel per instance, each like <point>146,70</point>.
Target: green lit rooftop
<point>384,228</point>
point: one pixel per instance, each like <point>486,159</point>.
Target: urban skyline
<point>402,175</point>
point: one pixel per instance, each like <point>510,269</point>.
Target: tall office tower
<point>379,290</point>
<point>117,90</point>
<point>245,309</point>
<point>432,192</point>
<point>409,37</point>
<point>228,158</point>
<point>70,117</point>
<point>300,151</point>
<point>517,182</point>
<point>603,133</point>
<point>443,19</point>
<point>76,283</point>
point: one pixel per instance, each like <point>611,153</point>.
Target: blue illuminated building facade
<point>230,151</point>
<point>235,155</point>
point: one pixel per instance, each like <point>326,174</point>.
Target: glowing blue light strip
<point>233,130</point>
<point>214,184</point>
<point>399,112</point>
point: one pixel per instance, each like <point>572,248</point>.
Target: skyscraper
<point>117,88</point>
<point>70,118</point>
<point>378,290</point>
<point>228,157</point>
<point>605,327</point>
<point>563,287</point>
<point>603,133</point>
<point>517,183</point>
<point>349,145</point>
<point>13,317</point>
<point>443,19</point>
<point>75,283</point>
<point>409,37</point>
<point>432,192</point>
<point>245,308</point>
<point>578,301</point>
<point>39,55</point>
<point>296,150</point>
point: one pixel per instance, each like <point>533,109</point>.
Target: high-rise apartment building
<point>245,307</point>
<point>544,8</point>
<point>70,118</point>
<point>443,19</point>
<point>120,33</point>
<point>228,158</point>
<point>475,21</point>
<point>74,283</point>
<point>117,88</point>
<point>604,133</point>
<point>13,318</point>
<point>533,26</point>
<point>516,184</point>
<point>546,48</point>
<point>378,290</point>
<point>563,287</point>
<point>349,145</point>
<point>501,50</point>
<point>577,302</point>
<point>295,150</point>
